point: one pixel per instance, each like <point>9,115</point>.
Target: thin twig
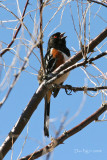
<point>58,131</point>
<point>24,142</point>
<point>17,31</point>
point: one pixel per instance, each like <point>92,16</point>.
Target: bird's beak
<point>62,35</point>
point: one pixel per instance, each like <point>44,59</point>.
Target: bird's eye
<point>55,36</point>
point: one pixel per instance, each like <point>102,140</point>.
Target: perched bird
<point>57,54</point>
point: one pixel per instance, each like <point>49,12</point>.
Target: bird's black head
<point>57,41</point>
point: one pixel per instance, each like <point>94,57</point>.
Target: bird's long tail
<point>47,113</point>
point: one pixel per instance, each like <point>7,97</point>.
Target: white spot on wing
<point>51,50</point>
<point>47,121</point>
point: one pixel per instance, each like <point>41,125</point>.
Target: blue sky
<point>90,142</point>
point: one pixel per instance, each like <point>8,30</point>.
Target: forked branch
<point>56,142</point>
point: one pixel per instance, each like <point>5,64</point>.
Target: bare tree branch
<point>17,31</point>
<point>85,89</point>
<point>40,93</point>
<point>50,147</point>
<point>41,36</point>
<point>97,2</point>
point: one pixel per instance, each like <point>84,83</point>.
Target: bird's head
<point>57,41</point>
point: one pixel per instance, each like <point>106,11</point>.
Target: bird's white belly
<point>62,78</point>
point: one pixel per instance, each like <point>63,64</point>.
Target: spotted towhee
<point>57,54</point>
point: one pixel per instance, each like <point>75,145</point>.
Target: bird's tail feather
<point>47,114</point>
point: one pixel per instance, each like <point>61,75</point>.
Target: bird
<point>57,54</point>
